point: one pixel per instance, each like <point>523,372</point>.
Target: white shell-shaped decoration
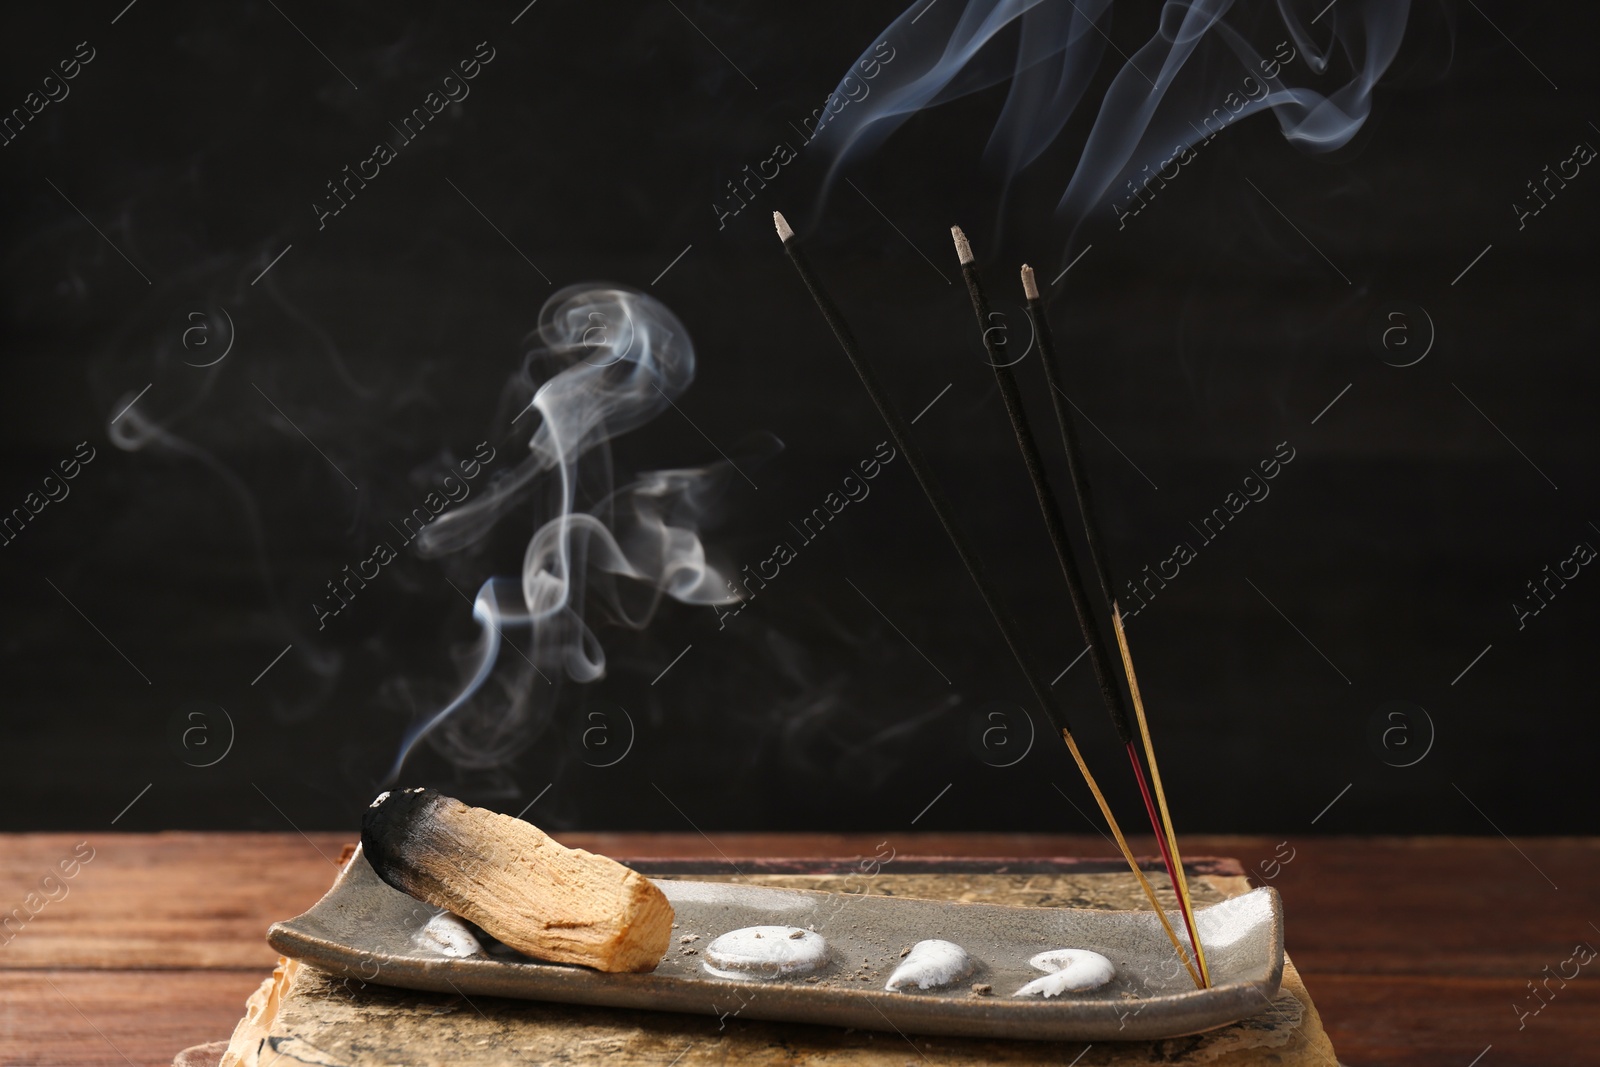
<point>1072,970</point>
<point>448,935</point>
<point>931,964</point>
<point>757,952</point>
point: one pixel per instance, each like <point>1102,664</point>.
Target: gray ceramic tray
<point>366,929</point>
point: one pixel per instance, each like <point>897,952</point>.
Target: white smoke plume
<point>616,359</point>
<point>1181,86</point>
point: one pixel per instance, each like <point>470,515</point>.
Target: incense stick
<point>931,489</point>
<point>1069,432</point>
<point>1055,525</point>
<point>1166,836</point>
<point>1161,794</point>
<point>901,434</point>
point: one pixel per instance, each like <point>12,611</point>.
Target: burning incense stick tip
<point>963,248</point>
<point>1030,284</point>
<point>784,231</point>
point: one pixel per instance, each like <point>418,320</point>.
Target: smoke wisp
<point>1200,70</point>
<point>611,359</point>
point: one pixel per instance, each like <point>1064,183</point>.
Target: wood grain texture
<point>163,900</point>
<point>559,904</point>
<point>1415,950</point>
<point>78,1018</point>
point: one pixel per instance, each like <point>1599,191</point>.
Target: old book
<point>302,1015</point>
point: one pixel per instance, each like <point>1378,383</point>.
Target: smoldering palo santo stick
<point>554,903</point>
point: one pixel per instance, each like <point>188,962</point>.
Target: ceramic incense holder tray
<point>365,929</point>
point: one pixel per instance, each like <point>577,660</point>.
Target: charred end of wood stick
<point>387,827</point>
<point>548,901</point>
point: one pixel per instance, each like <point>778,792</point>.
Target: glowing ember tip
<point>784,232</point>
<point>963,249</point>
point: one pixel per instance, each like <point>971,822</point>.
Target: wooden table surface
<point>1416,950</point>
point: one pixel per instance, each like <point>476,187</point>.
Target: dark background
<point>1220,323</point>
